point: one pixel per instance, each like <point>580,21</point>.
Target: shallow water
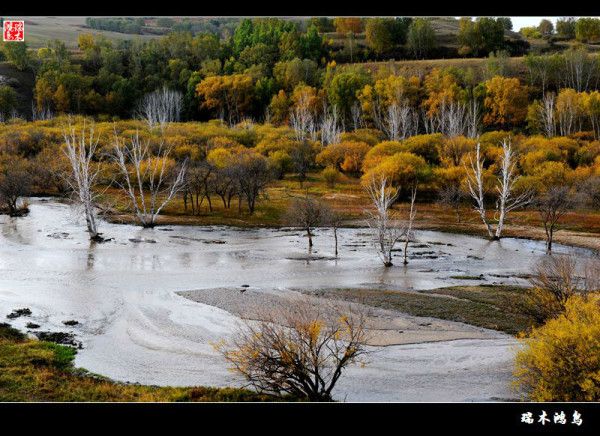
<point>135,327</point>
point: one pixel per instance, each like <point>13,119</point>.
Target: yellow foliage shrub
<point>561,359</point>
<point>347,156</point>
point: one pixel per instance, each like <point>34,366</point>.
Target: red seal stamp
<point>13,30</point>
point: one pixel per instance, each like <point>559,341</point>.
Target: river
<point>135,327</point>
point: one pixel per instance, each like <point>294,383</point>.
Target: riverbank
<point>394,317</point>
<point>578,228</point>
<point>32,370</point>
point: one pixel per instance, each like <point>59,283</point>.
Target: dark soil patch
<point>18,313</point>
<point>492,307</point>
<point>62,338</point>
<point>70,322</point>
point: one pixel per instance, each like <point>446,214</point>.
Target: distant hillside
<point>446,32</point>
<point>40,30</point>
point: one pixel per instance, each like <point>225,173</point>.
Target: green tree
<point>481,36</point>
<point>565,27</point>
<point>506,23</point>
<point>587,30</point>
<point>322,24</point>
<point>290,46</point>
<point>8,100</point>
<point>17,54</point>
<point>546,27</point>
<point>421,37</point>
<point>344,88</point>
<point>380,34</point>
<point>311,44</point>
<point>291,73</point>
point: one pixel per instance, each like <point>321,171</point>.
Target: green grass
<point>32,370</point>
<point>489,306</point>
<point>40,30</point>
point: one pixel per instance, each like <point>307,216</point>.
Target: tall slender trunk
<point>309,234</point>
<point>335,237</point>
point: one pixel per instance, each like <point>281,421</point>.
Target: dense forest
<point>264,67</point>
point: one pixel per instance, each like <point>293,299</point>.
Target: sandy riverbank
<point>385,327</point>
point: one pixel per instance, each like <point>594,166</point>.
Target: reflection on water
<point>134,327</point>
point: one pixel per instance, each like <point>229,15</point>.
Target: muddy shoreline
<point>561,236</point>
<point>384,327</point>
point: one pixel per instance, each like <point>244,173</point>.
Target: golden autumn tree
<point>307,97</point>
<point>561,359</point>
<point>347,156</point>
<point>226,96</point>
<point>441,86</point>
<point>390,90</point>
<point>349,25</point>
<point>62,101</point>
<point>505,101</point>
<point>402,169</point>
<point>279,108</point>
<point>569,111</point>
<point>380,151</point>
<point>44,93</point>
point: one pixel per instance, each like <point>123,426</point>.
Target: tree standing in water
<point>307,213</point>
<point>80,150</point>
<point>380,219</point>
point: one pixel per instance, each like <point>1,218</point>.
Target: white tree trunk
<point>80,151</point>
<point>149,177</point>
<point>476,188</point>
<point>506,199</point>
<point>161,107</point>
<point>411,219</point>
<point>386,230</point>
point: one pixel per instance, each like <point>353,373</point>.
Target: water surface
<point>134,327</point>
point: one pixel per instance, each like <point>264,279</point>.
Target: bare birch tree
<point>408,234</point>
<point>334,220</point>
<point>506,201</point>
<point>380,220</point>
<point>579,70</point>
<point>454,119</point>
<point>146,178</point>
<point>546,115</point>
<point>331,129</point>
<point>80,150</point>
<point>473,119</point>
<point>476,187</point>
<point>161,107</point>
<point>356,114</point>
<point>400,122</point>
<point>303,119</point>
<point>40,114</point>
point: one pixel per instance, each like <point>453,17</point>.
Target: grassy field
<point>40,30</point>
<point>488,306</point>
<point>32,370</point>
